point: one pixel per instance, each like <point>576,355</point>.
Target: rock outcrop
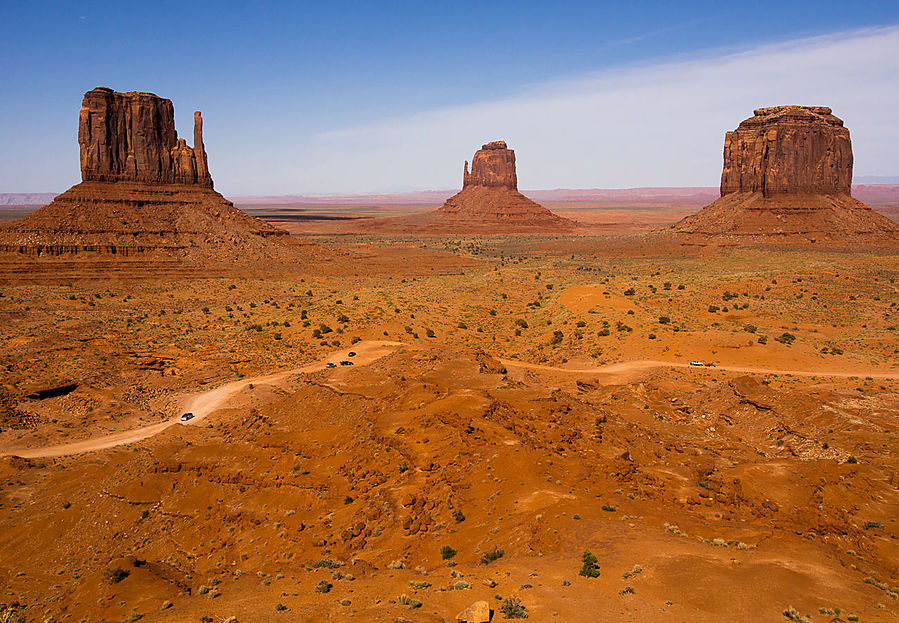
<point>493,166</point>
<point>787,178</point>
<point>490,196</point>
<point>131,137</point>
<point>788,150</point>
<point>478,612</point>
<point>146,195</point>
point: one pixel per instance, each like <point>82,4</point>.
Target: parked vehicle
<point>697,363</point>
<point>346,363</point>
<point>330,364</point>
<point>352,353</point>
<point>187,416</point>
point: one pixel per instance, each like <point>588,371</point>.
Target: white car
<point>187,416</point>
<point>697,363</point>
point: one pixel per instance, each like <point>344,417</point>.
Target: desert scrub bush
<point>763,339</point>
<point>430,332</point>
<point>869,525</point>
<point>512,608</point>
<point>494,554</point>
<point>589,569</point>
<point>326,563</point>
<point>629,292</point>
<point>408,601</point>
<point>791,614</point>
<point>323,587</point>
<point>750,328</point>
<point>447,552</point>
<point>785,338</point>
<point>521,322</point>
<point>114,575</point>
<point>12,614</point>
<point>713,309</point>
<point>458,515</point>
<point>419,584</point>
<point>343,318</point>
<point>664,320</point>
<point>609,508</point>
<point>461,325</point>
<point>556,338</point>
<point>461,585</point>
<point>280,607</point>
<point>637,570</point>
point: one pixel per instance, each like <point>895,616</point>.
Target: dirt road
<point>643,364</point>
<point>201,405</point>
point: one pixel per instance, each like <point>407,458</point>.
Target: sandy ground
<point>529,395</point>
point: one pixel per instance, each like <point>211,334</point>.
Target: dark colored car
<point>187,416</point>
<point>346,363</point>
<point>352,353</point>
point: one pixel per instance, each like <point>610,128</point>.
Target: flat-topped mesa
<point>788,150</point>
<point>493,165</point>
<point>131,137</point>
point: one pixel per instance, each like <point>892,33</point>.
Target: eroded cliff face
<point>788,150</point>
<point>493,165</point>
<point>787,179</point>
<point>130,137</point>
<point>490,197</point>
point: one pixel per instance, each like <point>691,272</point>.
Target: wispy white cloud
<point>657,124</point>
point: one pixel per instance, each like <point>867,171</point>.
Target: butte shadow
<point>146,204</point>
<point>489,203</point>
<point>787,179</point>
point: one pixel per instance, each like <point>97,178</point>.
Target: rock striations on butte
<point>490,196</point>
<point>146,194</point>
<point>787,178</point>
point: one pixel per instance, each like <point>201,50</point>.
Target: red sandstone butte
<point>787,177</point>
<point>490,195</point>
<point>145,193</point>
<point>131,137</point>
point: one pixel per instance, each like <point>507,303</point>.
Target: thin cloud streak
<point>658,124</point>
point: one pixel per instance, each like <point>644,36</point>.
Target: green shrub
<point>786,338</point>
<point>323,587</point>
<point>512,608</point>
<point>664,320</point>
<point>589,568</point>
<point>447,552</point>
<point>556,338</point>
<point>114,575</point>
<point>494,554</point>
<point>458,515</point>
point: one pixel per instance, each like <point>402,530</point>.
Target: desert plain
<point>515,401</point>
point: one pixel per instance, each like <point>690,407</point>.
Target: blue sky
<point>358,97</point>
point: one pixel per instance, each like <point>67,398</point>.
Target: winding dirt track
<point>631,366</point>
<point>205,403</point>
<point>201,405</point>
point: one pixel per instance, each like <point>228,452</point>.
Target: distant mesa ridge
<point>131,137</point>
<point>787,177</point>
